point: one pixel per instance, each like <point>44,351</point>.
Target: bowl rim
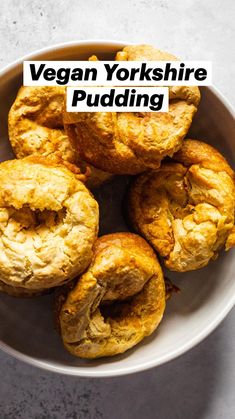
<point>175,353</point>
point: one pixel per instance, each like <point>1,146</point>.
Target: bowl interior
<point>27,329</point>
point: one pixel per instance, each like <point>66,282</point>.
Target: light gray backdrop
<point>200,384</point>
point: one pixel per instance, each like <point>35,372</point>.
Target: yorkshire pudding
<point>127,142</point>
<point>118,301</point>
<point>185,209</point>
<point>36,127</point>
<point>48,224</point>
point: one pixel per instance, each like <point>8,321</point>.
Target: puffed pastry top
<point>48,224</point>
<point>35,125</point>
<point>131,142</point>
<point>186,208</point>
<point>118,301</point>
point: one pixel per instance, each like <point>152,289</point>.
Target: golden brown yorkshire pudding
<point>118,301</point>
<point>36,127</point>
<point>48,224</point>
<point>186,208</point>
<point>130,143</point>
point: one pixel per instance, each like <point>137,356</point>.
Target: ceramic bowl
<point>207,295</point>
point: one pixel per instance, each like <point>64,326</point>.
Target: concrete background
<point>200,384</point>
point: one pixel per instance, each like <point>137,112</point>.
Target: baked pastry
<point>36,127</point>
<point>231,239</point>
<point>186,208</point>
<point>48,224</point>
<point>118,301</point>
<point>127,142</point>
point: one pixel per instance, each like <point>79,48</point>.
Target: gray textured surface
<point>200,384</point>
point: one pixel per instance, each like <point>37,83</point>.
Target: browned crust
<point>198,152</point>
<point>48,223</point>
<point>133,142</point>
<point>35,125</point>
<point>129,241</point>
<point>186,208</point>
<point>133,315</point>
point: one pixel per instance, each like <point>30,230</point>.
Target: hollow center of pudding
<point>116,310</point>
<point>28,219</point>
<point>105,319</point>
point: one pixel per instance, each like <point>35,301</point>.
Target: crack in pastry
<point>131,142</point>
<point>118,301</point>
<point>36,128</point>
<point>185,209</point>
<point>48,224</point>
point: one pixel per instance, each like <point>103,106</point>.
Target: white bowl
<point>207,295</point>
